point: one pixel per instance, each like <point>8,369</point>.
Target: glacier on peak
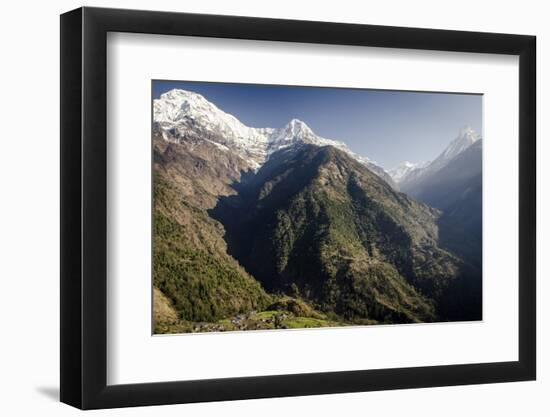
<point>179,112</point>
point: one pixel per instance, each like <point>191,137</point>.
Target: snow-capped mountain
<point>466,137</point>
<point>179,114</point>
<point>401,170</point>
<point>410,175</point>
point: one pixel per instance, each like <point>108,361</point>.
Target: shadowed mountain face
<point>445,186</point>
<point>317,224</point>
<point>195,278</point>
<point>456,189</point>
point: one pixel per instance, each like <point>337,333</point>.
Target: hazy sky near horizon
<point>386,126</point>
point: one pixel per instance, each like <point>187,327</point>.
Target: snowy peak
<point>466,137</point>
<point>294,131</point>
<point>402,170</point>
<point>179,114</point>
<point>298,128</point>
<point>297,131</point>
<point>179,105</point>
<point>181,108</point>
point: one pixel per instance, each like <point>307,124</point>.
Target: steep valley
<point>296,232</point>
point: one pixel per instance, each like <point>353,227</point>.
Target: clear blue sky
<point>387,126</point>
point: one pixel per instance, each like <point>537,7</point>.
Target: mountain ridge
<point>319,224</point>
<point>178,112</point>
<point>407,175</point>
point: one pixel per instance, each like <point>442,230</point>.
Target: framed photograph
<point>257,208</point>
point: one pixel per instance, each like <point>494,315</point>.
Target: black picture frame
<point>84,207</point>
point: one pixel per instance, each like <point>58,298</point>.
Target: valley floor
<point>254,320</point>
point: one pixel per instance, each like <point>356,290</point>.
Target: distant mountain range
<point>273,228</point>
<point>408,175</point>
<point>403,170</point>
<point>453,184</point>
